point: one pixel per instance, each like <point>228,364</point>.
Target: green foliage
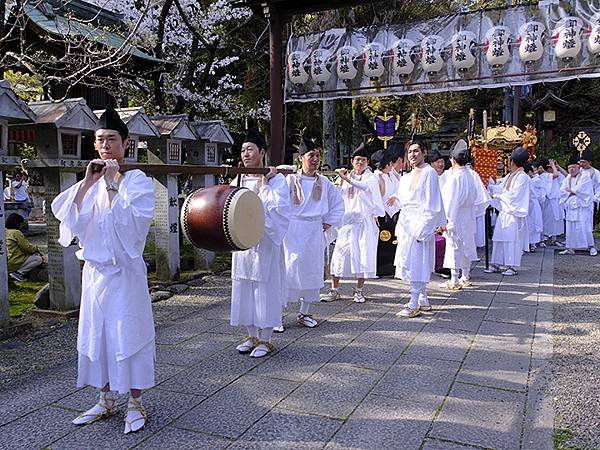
<point>561,437</point>
<point>27,87</point>
<point>22,296</point>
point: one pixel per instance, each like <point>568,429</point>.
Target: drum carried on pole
<point>223,218</point>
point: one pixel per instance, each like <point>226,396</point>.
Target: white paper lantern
<point>346,62</point>
<point>296,67</point>
<point>531,41</point>
<point>320,69</point>
<point>402,62</point>
<point>373,59</point>
<point>497,46</point>
<point>594,37</point>
<point>431,53</point>
<point>567,38</point>
<point>463,50</point>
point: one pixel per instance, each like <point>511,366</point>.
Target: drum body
<point>223,218</point>
<point>386,245</point>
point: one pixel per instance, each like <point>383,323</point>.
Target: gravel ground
<point>576,359</point>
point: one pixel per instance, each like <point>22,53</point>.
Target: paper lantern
<point>497,46</point>
<point>594,37</point>
<point>373,59</point>
<point>402,62</point>
<point>531,42</point>
<point>296,67</point>
<point>431,53</point>
<point>567,38</point>
<point>320,69</point>
<point>346,63</point>
<point>463,50</point>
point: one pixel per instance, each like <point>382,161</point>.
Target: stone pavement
<point>471,375</point>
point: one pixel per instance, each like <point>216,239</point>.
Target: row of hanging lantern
<point>432,52</point>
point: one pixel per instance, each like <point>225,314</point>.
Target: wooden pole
<point>276,86</point>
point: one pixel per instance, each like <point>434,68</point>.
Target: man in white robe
<point>535,221</point>
<point>481,204</point>
<point>553,214</point>
<point>421,213</point>
<point>459,195</point>
<point>577,193</point>
<point>316,207</point>
<point>388,187</point>
<point>258,274</point>
<point>355,252</point>
<point>110,214</point>
<point>585,162</point>
<point>510,232</point>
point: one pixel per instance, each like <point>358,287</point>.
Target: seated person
<point>22,256</point>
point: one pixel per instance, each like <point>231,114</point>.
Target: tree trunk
<point>356,124</point>
<point>329,134</point>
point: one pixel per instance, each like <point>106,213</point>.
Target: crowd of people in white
<point>305,213</point>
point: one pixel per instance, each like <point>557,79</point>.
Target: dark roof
<point>52,21</point>
<point>549,100</point>
<point>291,7</point>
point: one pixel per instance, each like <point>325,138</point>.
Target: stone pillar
<point>166,227</point>
<point>4,313</point>
<point>64,269</point>
<point>3,267</point>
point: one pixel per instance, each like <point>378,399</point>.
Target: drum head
<point>244,219</point>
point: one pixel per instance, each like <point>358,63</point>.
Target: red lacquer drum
<point>223,218</point>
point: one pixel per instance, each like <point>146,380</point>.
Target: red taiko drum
<point>223,218</point>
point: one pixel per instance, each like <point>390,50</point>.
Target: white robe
<point>258,274</point>
<point>481,204</point>
<point>390,181</point>
<point>579,233</point>
<point>510,233</point>
<point>535,220</point>
<point>421,212</point>
<point>594,175</point>
<point>304,243</point>
<point>355,252</point>
<point>552,212</point>
<point>459,195</point>
<point>115,339</point>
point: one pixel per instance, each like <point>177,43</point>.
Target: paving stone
<point>20,397</point>
<point>212,374</point>
<point>436,444</point>
<point>334,391</point>
<point>374,349</point>
<point>177,439</point>
<point>298,361</point>
<point>496,368</point>
<point>460,317</point>
<point>439,342</point>
<point>504,336</point>
<point>290,430</point>
<point>512,313</point>
<point>237,407</point>
<point>82,400</point>
<point>385,423</point>
<point>539,420</point>
<point>36,430</point>
<point>481,416</point>
<point>180,331</point>
<point>163,407</point>
<point>414,378</point>
<point>193,350</point>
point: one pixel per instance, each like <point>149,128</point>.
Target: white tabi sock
<point>265,334</point>
<point>252,331</point>
<point>304,307</point>
<point>455,276</point>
